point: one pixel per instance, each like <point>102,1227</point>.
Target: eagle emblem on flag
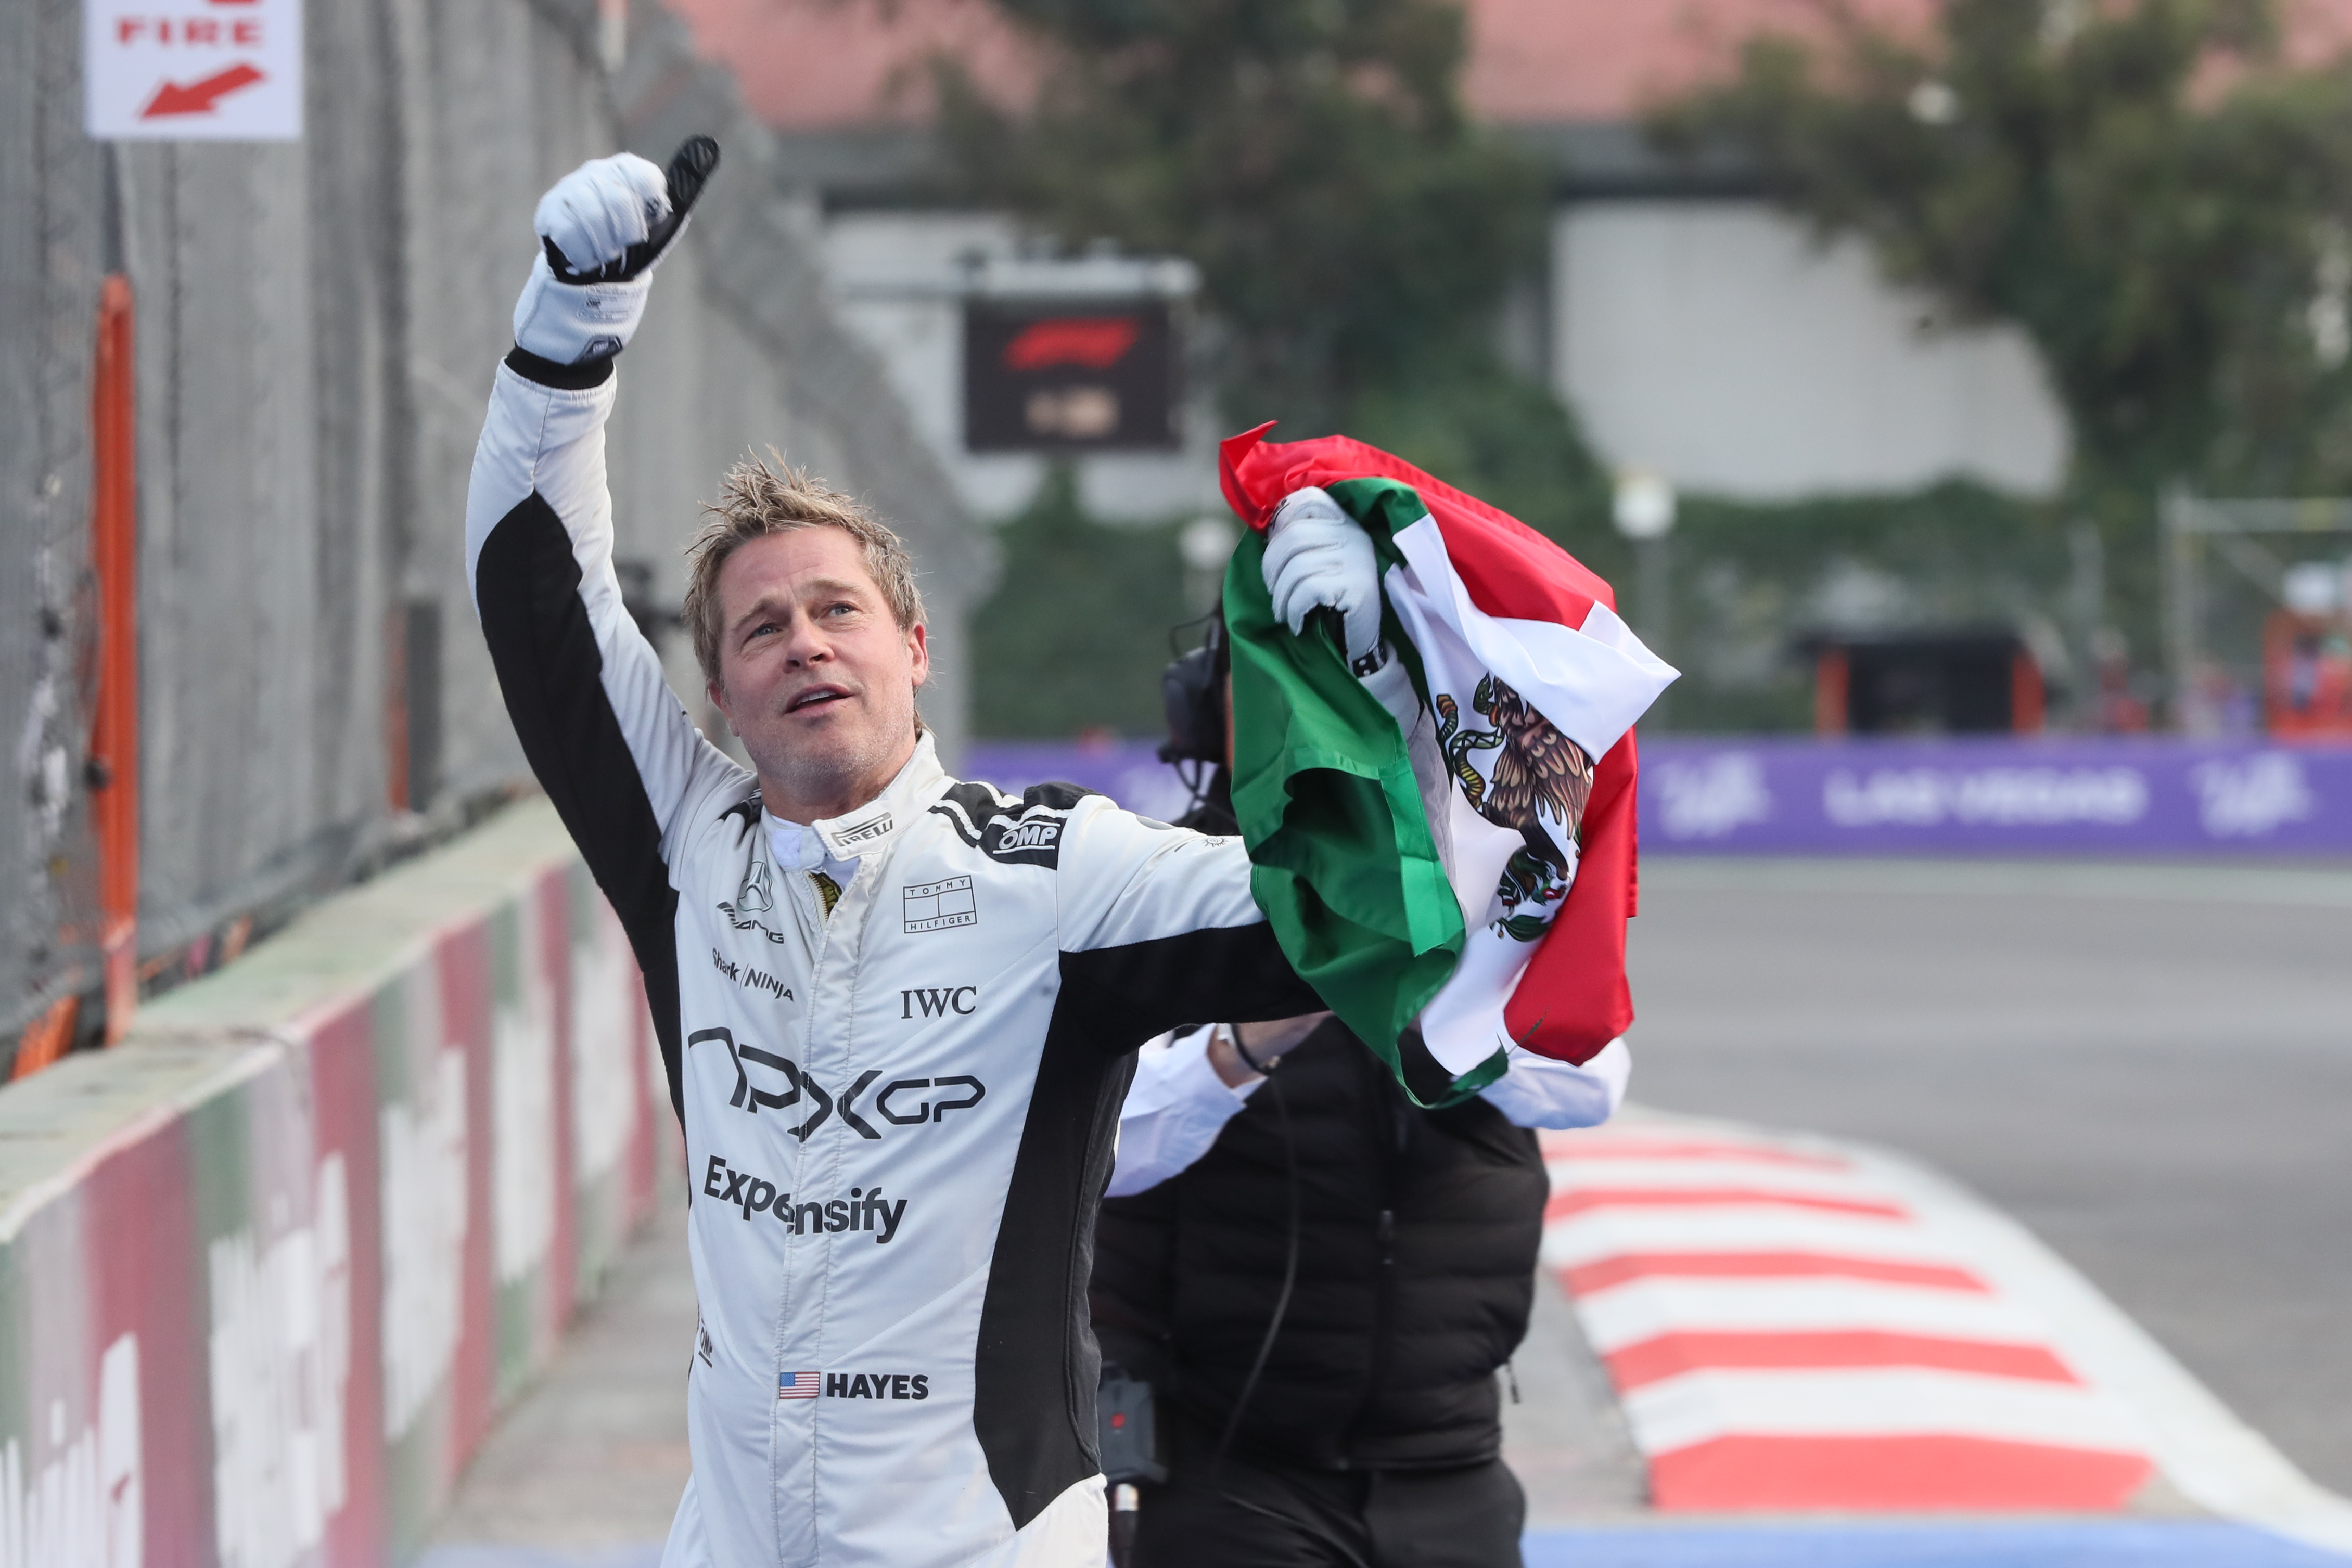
<point>1537,773</point>
<point>1444,840</point>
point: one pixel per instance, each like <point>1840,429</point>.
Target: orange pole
<point>2027,698</point>
<point>1831,674</point>
<point>115,725</point>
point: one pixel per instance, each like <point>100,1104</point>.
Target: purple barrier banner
<point>1128,771</point>
<point>2053,795</point>
<point>2069,795</point>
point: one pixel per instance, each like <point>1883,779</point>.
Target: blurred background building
<point>1940,425</point>
<point>303,335</point>
<point>1868,458</point>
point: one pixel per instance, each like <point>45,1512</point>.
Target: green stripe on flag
<point>1344,866</point>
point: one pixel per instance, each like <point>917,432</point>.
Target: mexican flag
<point>1462,852</point>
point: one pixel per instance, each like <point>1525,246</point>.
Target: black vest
<point>1417,1240</point>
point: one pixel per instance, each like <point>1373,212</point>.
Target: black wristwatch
<point>1263,1069</point>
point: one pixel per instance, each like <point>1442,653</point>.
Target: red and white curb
<point>1795,1322</point>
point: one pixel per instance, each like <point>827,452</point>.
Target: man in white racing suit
<point>897,1012</point>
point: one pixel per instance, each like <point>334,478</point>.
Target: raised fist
<point>1316,556</point>
<point>602,229</point>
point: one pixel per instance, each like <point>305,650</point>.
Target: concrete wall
<point>318,324</point>
<point>1715,343</point>
<point>269,1269</point>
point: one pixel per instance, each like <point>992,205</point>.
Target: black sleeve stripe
<point>531,367</point>
<point>1032,1387</point>
<point>1034,1391</point>
<point>1028,832</point>
<point>552,675</point>
<point>1227,974</point>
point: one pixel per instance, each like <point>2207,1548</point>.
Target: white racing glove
<point>602,229</point>
<point>1316,556</point>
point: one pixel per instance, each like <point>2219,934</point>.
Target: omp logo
<point>865,832</point>
<point>938,1001</point>
<point>1026,831</point>
<point>750,1098</point>
<point>877,1385</point>
<point>937,905</point>
<point>749,977</point>
<point>1041,834</point>
<point>864,1209</point>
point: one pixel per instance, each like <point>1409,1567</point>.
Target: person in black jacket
<point>1321,1299</point>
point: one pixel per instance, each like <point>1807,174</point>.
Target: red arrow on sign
<point>201,96</point>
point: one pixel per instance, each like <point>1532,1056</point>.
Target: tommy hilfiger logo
<point>938,905</point>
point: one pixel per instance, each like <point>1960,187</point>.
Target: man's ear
<point>717,696</point>
<point>918,652</point>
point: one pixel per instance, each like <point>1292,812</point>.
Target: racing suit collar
<point>855,834</point>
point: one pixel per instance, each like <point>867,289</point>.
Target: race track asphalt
<point>2151,1066</point>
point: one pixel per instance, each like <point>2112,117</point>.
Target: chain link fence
<point>316,328</point>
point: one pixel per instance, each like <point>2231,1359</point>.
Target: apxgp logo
<point>751,1099</point>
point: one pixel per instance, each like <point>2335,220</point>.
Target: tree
<point>1355,231</point>
<point>2142,186</point>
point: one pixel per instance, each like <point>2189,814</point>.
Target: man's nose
<point>807,644</point>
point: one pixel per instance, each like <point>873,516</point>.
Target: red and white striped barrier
<point>1789,1326</point>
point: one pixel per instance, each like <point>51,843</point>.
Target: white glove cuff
<point>571,323</point>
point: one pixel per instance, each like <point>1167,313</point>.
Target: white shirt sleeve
<point>1174,1111</point>
<point>1538,1091</point>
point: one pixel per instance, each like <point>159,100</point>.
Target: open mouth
<point>817,698</point>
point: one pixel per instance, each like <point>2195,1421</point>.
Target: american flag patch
<point>796,1385</point>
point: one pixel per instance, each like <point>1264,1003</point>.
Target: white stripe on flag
<point>1592,682</point>
<point>1697,1407</point>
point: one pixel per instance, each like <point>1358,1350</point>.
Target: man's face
<point>815,673</point>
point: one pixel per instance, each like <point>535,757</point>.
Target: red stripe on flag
<point>1572,1000</point>
<point>1563,1204</point>
<point>1894,1473</point>
<point>1608,1272</point>
<point>1507,568</point>
<point>1672,1354</point>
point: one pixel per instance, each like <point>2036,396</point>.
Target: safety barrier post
<point>114,724</point>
